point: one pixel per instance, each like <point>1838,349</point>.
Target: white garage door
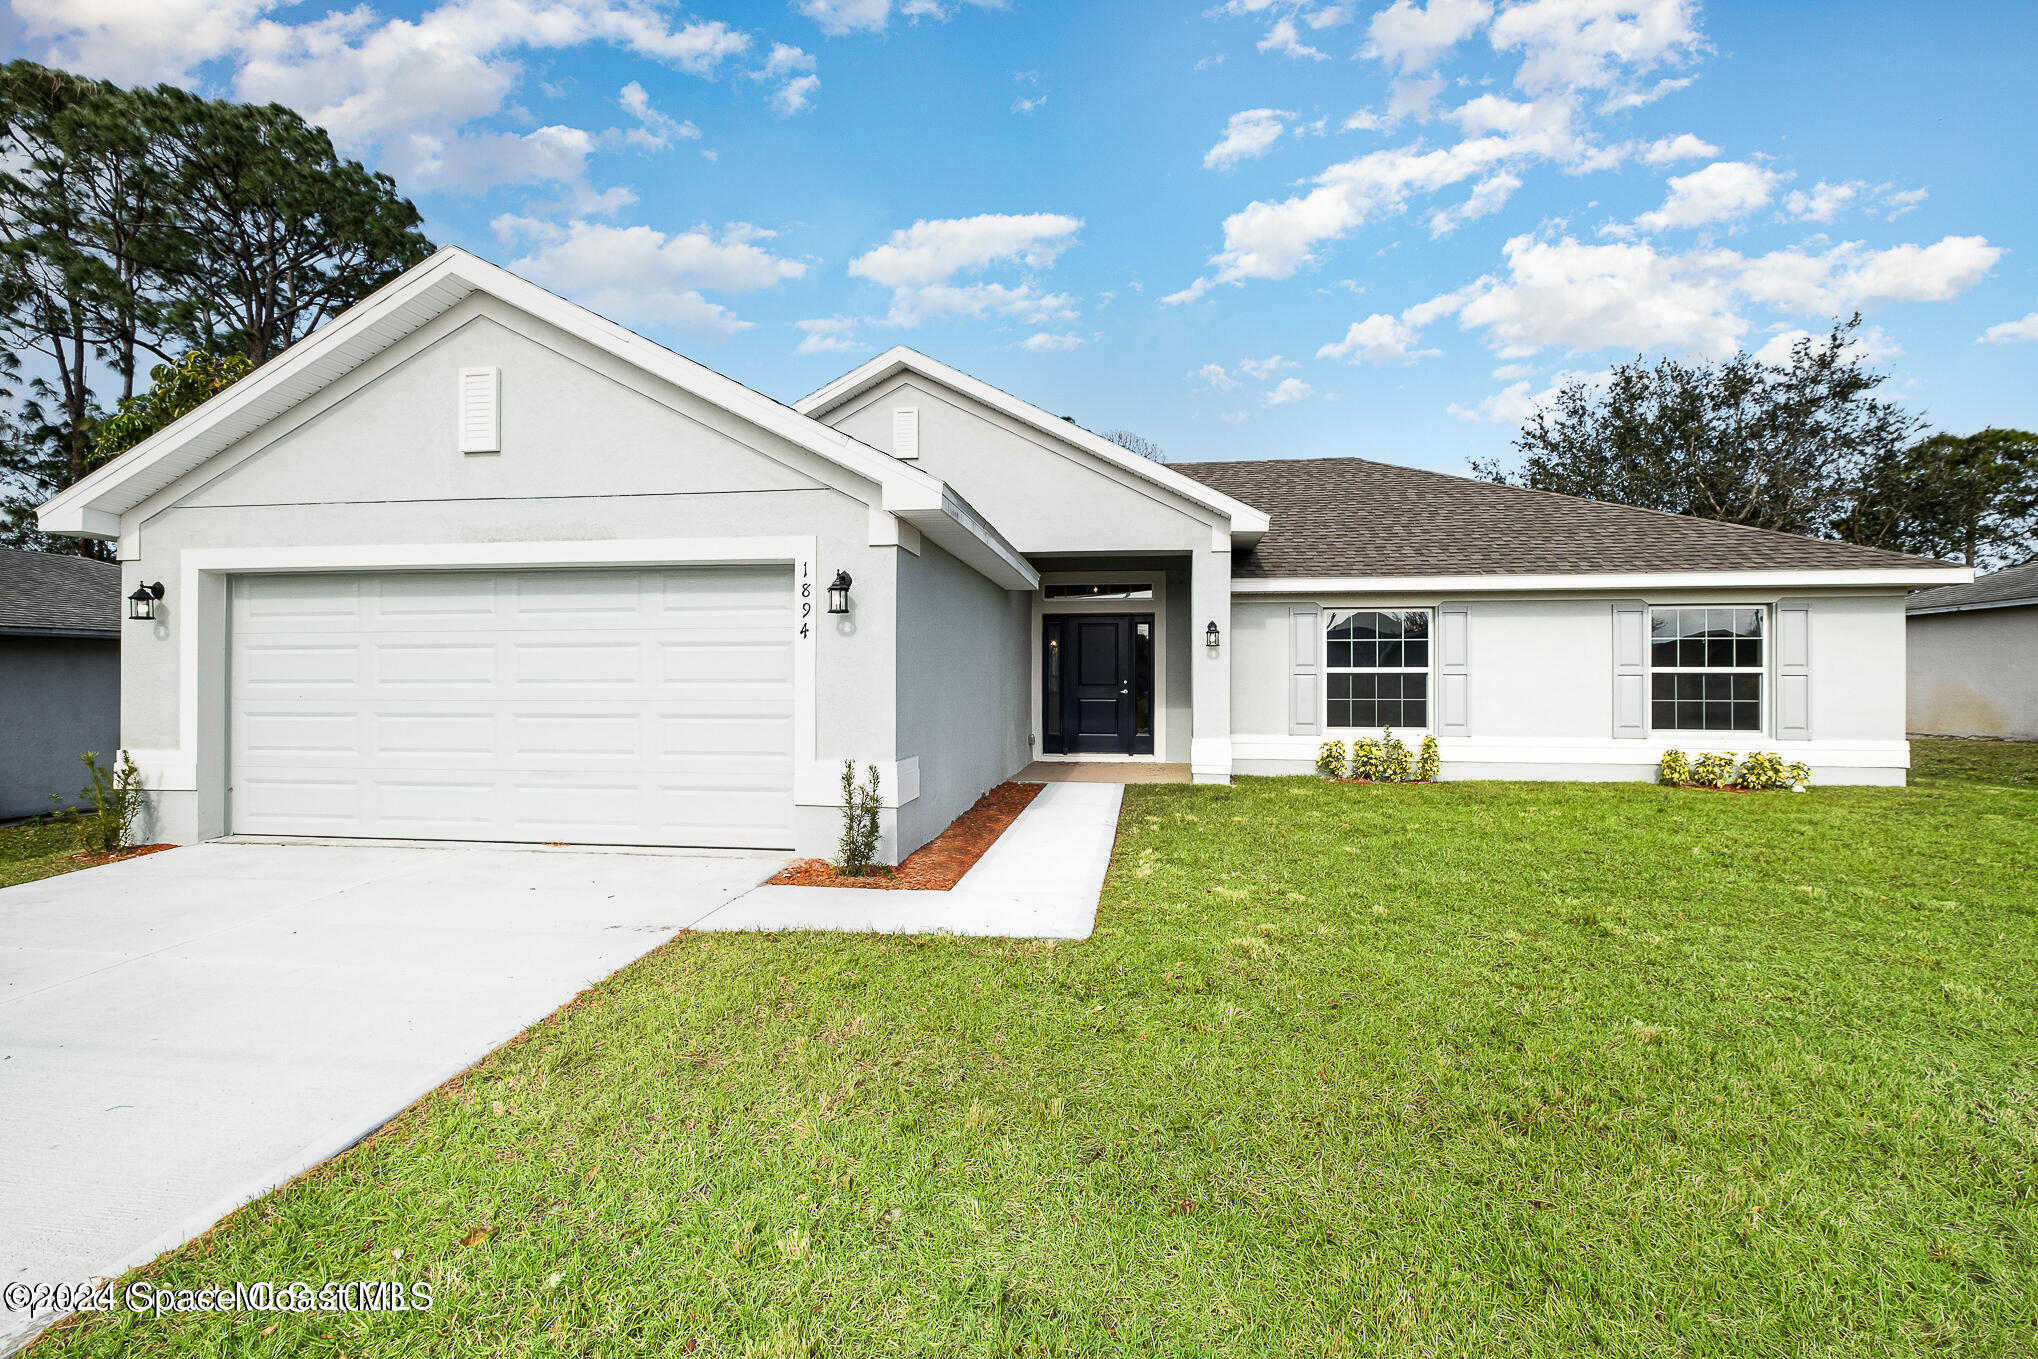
<point>628,707</point>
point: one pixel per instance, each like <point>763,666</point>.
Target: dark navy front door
<point>1098,686</point>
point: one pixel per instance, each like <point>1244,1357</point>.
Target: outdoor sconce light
<point>141,605</point>
<point>1210,638</point>
<point>838,593</point>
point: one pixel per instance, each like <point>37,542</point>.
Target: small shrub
<point>1430,762</point>
<point>1396,764</point>
<point>1714,770</point>
<point>855,855</point>
<point>107,826</point>
<point>1766,771</point>
<point>1368,757</point>
<point>1331,759</point>
<point>1763,770</point>
<point>1676,768</point>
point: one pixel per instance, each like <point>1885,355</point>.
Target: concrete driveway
<point>181,1032</point>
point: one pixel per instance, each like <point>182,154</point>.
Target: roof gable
<point>1247,521</point>
<point>94,505</point>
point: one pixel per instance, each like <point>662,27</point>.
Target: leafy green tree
<point>137,225</point>
<point>179,388</point>
<point>1972,497</point>
<point>275,232</point>
<point>1776,446</point>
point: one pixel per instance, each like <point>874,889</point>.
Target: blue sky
<point>1249,229</point>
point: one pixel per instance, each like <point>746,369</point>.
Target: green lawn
<point>1468,1069</point>
<point>36,849</point>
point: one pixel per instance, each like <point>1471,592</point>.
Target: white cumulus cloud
<point>1290,390</point>
<point>1248,134</point>
<point>1379,339</point>
<point>1683,146</point>
<point>641,275</point>
<point>1047,341</point>
<point>1415,36</point>
<point>1722,191</point>
<point>2012,332</point>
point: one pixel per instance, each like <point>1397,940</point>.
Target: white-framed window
<point>1705,667</point>
<point>1376,668</point>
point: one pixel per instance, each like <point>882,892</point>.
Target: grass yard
<point>1468,1069</point>
<point>36,849</point>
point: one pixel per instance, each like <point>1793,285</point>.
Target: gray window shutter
<point>1793,670</point>
<point>1630,669</point>
<point>1305,670</point>
<point>1454,671</point>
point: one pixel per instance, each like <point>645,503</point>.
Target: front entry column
<point>1210,669</point>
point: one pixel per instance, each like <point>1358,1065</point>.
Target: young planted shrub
<point>107,826</point>
<point>1676,769</point>
<point>1368,757</point>
<point>857,852</point>
<point>1396,764</point>
<point>1331,759</point>
<point>1430,762</point>
<point>1714,770</point>
<point>1765,770</point>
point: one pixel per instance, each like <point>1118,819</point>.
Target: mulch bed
<point>940,863</point>
<point>94,860</point>
<point>1390,783</point>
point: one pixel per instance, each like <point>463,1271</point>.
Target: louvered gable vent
<point>480,410</point>
<point>906,432</point>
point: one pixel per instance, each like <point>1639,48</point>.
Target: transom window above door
<point>1705,669</point>
<point>1128,591</point>
<point>1376,668</point>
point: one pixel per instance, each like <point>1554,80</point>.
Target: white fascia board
<point>1651,580</point>
<point>94,504</point>
<point>940,514</point>
<point>1978,604</point>
<point>1248,524</point>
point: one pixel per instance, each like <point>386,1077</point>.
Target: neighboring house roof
<point>427,290</point>
<point>2003,589</point>
<point>1248,521</point>
<point>1346,517</point>
<point>46,593</point>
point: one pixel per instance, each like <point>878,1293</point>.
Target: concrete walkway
<point>1040,880</point>
<point>179,1033</point>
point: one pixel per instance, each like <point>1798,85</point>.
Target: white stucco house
<point>1974,657</point>
<point>471,562</point>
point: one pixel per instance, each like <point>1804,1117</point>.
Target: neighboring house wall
<point>63,699</point>
<point>962,688</point>
<point>593,450</point>
<point>1975,673</point>
<point>1541,688</point>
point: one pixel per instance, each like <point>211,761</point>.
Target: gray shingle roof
<point>2011,585</point>
<point>1351,517</point>
<point>46,592</point>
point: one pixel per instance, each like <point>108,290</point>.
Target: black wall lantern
<point>838,593</point>
<point>141,605</point>
<point>1210,638</point>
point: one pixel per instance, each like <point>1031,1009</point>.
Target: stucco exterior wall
<point>1975,673</point>
<point>592,451</point>
<point>1043,499</point>
<point>63,699</point>
<point>962,687</point>
<point>1541,688</point>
